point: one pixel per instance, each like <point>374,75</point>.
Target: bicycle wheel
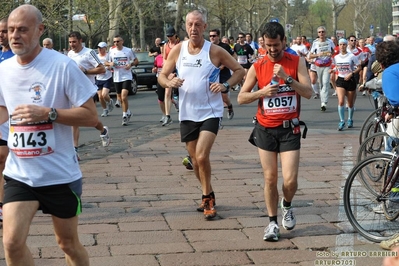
<point>372,145</point>
<point>373,128</point>
<point>362,199</point>
<point>366,124</point>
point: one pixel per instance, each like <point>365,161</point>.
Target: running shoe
<point>390,243</point>
<point>168,120</point>
<point>289,220</point>
<point>188,163</point>
<point>162,119</point>
<point>110,105</point>
<point>323,108</point>
<point>230,113</point>
<point>272,232</point>
<point>117,104</point>
<point>201,206</point>
<point>341,125</point>
<point>316,96</point>
<point>350,123</point>
<point>209,208</point>
<point>334,94</point>
<point>105,137</point>
<point>124,120</point>
<point>129,115</point>
<point>105,113</point>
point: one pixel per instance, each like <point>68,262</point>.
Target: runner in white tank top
<point>198,72</point>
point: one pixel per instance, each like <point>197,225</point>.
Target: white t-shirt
<point>45,154</point>
<point>323,47</point>
<point>107,74</point>
<point>122,58</point>
<point>345,64</point>
<point>86,58</point>
<point>196,102</point>
<point>301,48</point>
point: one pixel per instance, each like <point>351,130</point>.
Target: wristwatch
<point>289,80</point>
<point>52,115</point>
<point>227,86</point>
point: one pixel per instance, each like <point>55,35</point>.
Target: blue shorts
<point>104,84</point>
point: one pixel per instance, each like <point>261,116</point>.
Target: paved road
<point>139,201</point>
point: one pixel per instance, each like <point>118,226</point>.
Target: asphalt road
<point>146,114</point>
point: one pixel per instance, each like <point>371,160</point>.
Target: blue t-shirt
<point>6,55</point>
<point>290,51</point>
<point>390,80</point>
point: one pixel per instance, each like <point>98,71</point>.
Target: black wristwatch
<point>289,80</point>
<point>227,86</point>
<point>52,115</point>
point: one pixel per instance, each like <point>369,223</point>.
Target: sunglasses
<point>169,36</point>
<point>116,41</point>
<point>352,40</point>
<point>213,36</point>
<point>322,31</point>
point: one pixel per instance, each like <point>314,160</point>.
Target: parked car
<point>143,72</point>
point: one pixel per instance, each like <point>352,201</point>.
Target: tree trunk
<point>114,13</point>
<point>179,16</point>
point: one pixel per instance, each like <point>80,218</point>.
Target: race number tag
<point>31,140</point>
<point>284,102</point>
<point>242,59</point>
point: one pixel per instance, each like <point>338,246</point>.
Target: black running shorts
<point>277,139</point>
<point>62,201</point>
<point>124,85</point>
<point>349,85</point>
<point>190,130</point>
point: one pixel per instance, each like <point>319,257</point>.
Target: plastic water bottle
<point>275,80</point>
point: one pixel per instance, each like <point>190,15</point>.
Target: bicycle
<point>372,145</point>
<point>371,185</point>
<point>375,122</point>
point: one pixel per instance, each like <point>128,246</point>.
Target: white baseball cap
<point>102,45</point>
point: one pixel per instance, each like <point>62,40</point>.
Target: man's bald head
<point>24,30</point>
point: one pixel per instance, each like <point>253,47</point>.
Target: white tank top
<point>196,102</point>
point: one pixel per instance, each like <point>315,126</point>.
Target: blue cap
<point>343,40</point>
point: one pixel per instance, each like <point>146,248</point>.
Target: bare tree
<point>114,14</point>
<point>337,7</point>
<point>361,16</point>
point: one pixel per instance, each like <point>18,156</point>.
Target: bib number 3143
<point>31,140</point>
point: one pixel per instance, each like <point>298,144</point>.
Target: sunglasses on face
<point>116,41</point>
<point>322,31</point>
<point>352,40</point>
<point>212,36</point>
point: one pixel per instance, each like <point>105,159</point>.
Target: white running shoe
<point>167,121</point>
<point>124,120</point>
<point>105,138</point>
<point>117,104</point>
<point>289,220</point>
<point>272,232</point>
<point>110,105</point>
<point>105,113</point>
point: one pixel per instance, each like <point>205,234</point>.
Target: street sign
<point>371,27</point>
